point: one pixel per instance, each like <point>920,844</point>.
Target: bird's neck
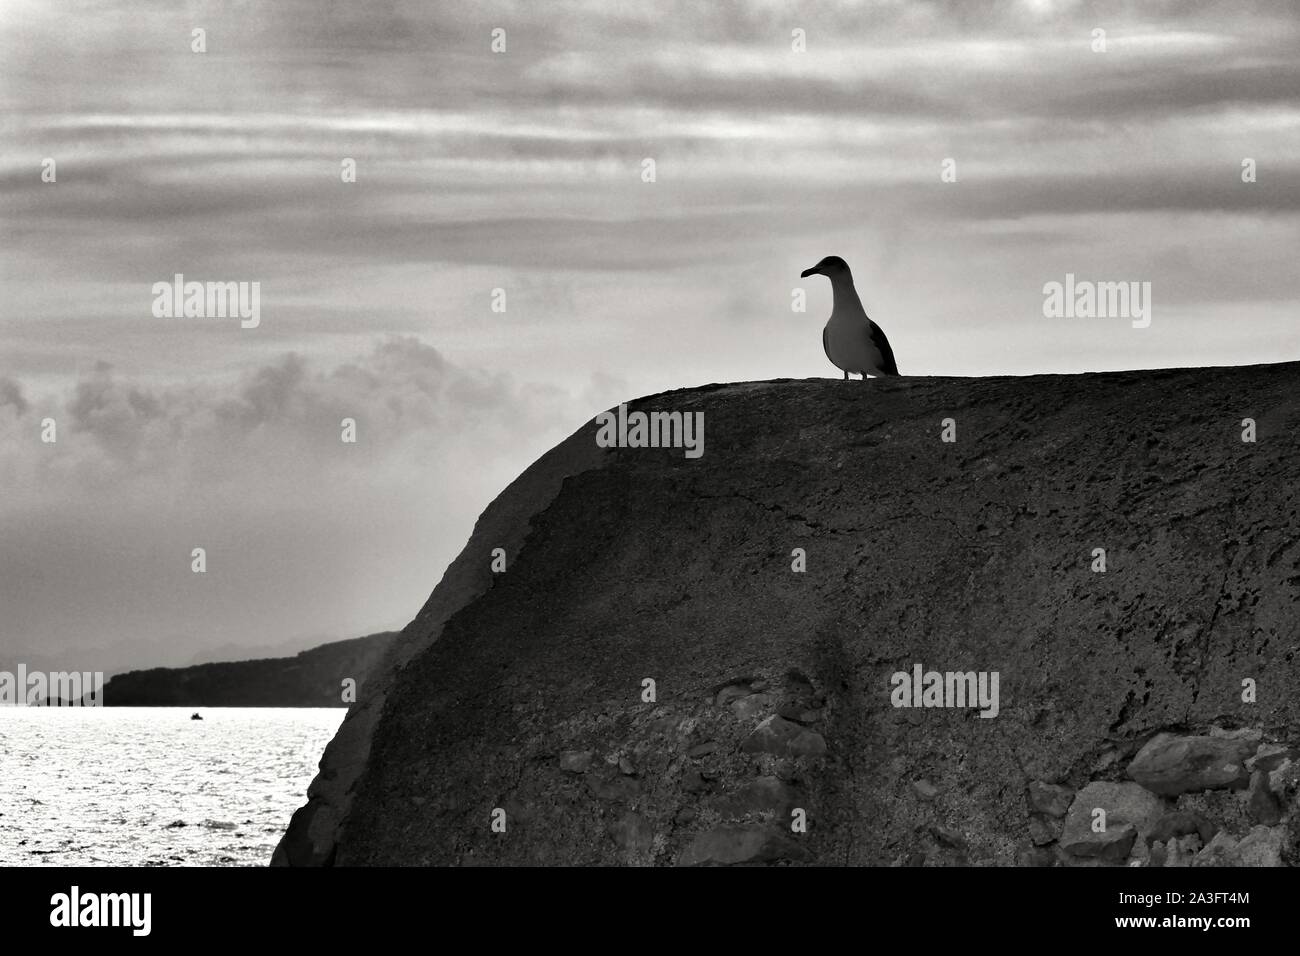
<point>845,301</point>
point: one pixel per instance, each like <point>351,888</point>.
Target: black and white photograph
<point>529,441</point>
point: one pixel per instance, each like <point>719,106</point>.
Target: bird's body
<point>850,339</point>
<point>856,344</point>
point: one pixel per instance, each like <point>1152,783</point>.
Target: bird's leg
<point>846,376</point>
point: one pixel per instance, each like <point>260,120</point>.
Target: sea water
<point>148,786</point>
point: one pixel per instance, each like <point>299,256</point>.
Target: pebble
<point>925,789</point>
<point>576,761</point>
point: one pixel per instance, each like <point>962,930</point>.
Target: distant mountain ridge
<point>312,678</point>
<point>149,654</point>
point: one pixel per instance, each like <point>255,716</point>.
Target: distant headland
<point>312,678</point>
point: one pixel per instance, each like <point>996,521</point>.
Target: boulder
<point>1049,799</point>
<point>1262,846</point>
<point>732,845</point>
<point>1218,852</point>
<point>1130,811</point>
<point>1170,764</point>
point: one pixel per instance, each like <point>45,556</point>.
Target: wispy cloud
<point>141,474</point>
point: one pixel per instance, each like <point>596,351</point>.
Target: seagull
<point>851,340</point>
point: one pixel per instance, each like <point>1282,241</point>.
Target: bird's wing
<point>888,365</point>
<point>825,345</point>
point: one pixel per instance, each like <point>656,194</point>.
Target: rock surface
<point>634,563</point>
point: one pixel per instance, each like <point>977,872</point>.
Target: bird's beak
<point>809,272</point>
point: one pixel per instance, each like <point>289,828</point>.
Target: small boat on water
<point>195,717</point>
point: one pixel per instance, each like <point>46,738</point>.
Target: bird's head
<point>833,267</point>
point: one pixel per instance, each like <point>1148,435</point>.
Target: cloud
<point>306,534</point>
<point>11,394</point>
<point>404,395</point>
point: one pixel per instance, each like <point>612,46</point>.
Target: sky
<point>780,133</point>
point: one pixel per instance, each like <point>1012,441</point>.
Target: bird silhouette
<point>851,340</point>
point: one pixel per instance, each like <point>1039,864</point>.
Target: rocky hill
<point>838,638</point>
<point>312,678</point>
